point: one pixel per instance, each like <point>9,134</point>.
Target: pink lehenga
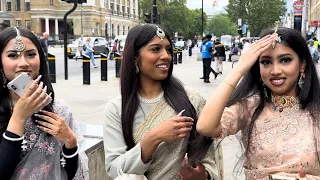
<point>280,143</point>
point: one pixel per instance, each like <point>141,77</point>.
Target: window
<point>18,23</point>
<point>106,3</point>
<point>18,5</point>
<point>0,6</point>
<point>8,4</point>
<point>7,22</point>
<point>27,5</point>
<point>28,24</point>
<point>123,29</point>
<point>118,30</point>
<point>98,28</point>
<point>51,2</point>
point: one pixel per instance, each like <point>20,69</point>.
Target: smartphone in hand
<point>18,84</point>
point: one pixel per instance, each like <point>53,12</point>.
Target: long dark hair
<point>5,101</point>
<point>309,95</point>
<point>174,92</point>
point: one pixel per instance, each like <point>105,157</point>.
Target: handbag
<point>131,177</point>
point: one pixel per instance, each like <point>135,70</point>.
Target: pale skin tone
<point>35,95</point>
<point>154,61</point>
<point>279,70</point>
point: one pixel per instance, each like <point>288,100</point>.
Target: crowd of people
<point>159,129</point>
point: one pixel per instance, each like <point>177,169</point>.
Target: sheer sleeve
<point>82,164</point>
<point>236,116</point>
<point>117,159</point>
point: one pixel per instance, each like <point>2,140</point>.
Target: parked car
<point>100,45</point>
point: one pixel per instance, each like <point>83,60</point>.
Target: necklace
<point>151,101</point>
<point>281,102</point>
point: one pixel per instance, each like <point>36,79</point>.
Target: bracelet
<point>71,156</point>
<point>229,84</point>
<point>12,139</point>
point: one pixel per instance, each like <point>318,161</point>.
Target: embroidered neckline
<point>281,102</point>
<point>151,101</point>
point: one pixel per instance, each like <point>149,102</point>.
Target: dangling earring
<point>137,67</point>
<point>4,80</point>
<point>301,80</point>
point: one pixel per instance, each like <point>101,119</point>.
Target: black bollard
<point>118,58</point>
<point>52,67</point>
<point>104,67</point>
<point>180,56</point>
<point>86,69</point>
<point>175,58</point>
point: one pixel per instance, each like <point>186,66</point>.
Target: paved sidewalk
<point>87,102</point>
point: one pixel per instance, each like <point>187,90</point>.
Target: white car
<point>100,45</point>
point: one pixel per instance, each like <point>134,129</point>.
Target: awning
<point>4,15</point>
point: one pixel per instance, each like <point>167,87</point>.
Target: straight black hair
<point>174,93</point>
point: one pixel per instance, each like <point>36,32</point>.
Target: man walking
<point>219,56</point>
<point>206,52</point>
<point>44,44</point>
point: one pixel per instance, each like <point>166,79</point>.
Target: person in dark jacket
<point>234,51</point>
<point>219,56</point>
<point>44,44</point>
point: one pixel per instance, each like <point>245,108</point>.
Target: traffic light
<point>148,18</point>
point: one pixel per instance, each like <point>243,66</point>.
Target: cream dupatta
<point>169,155</point>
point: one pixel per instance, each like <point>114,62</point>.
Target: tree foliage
<point>221,25</point>
<point>175,17</point>
<point>257,14</point>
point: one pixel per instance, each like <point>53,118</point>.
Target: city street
<point>87,102</point>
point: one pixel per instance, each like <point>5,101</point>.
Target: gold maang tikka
<point>277,39</point>
<point>18,45</point>
<point>160,33</point>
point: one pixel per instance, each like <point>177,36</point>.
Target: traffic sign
<point>298,5</point>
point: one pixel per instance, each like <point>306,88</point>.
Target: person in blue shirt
<point>206,52</point>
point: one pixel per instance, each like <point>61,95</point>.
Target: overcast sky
<point>207,5</point>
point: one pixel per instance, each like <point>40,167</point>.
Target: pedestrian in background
<point>273,98</point>
<point>80,48</point>
<point>219,56</point>
<point>39,137</point>
<point>44,44</point>
<point>316,43</point>
<point>206,50</point>
<point>149,128</point>
<point>190,46</point>
<point>89,51</point>
<point>234,51</point>
<point>313,51</point>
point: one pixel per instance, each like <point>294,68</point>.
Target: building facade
<point>107,18</point>
<point>313,10</point>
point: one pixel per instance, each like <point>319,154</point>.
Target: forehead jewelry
<point>277,39</point>
<point>19,44</point>
<point>160,33</point>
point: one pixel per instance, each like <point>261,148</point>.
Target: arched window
<point>118,29</point>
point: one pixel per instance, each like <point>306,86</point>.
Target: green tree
<point>221,25</point>
<point>257,14</point>
<point>175,16</point>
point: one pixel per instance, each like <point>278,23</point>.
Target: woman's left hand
<point>57,127</point>
<point>187,172</point>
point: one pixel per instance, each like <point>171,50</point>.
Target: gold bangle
<point>229,85</point>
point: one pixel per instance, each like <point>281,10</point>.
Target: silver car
<point>100,45</point>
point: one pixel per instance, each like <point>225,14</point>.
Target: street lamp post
<point>81,21</point>
<point>202,20</point>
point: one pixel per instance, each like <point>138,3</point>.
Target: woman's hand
<point>250,55</point>
<point>174,128</point>
<point>33,99</point>
<point>187,172</point>
<point>57,127</point>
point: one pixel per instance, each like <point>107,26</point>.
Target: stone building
<point>107,18</point>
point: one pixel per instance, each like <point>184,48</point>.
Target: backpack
<point>84,47</point>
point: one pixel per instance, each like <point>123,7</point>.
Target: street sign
<point>298,5</point>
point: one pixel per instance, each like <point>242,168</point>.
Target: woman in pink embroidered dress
<point>276,105</point>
